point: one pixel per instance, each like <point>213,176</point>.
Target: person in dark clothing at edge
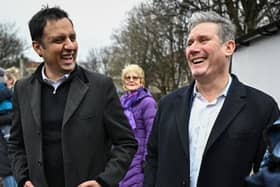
<point>66,119</point>
<point>6,175</point>
<point>269,173</point>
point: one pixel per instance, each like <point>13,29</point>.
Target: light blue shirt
<point>202,118</point>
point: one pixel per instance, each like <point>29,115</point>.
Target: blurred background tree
<point>11,46</point>
<point>155,33</point>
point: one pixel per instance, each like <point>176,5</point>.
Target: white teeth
<point>67,57</point>
<point>198,60</point>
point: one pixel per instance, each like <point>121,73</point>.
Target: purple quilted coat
<point>140,109</point>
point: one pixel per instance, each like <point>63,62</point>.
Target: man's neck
<point>211,89</point>
<point>54,76</point>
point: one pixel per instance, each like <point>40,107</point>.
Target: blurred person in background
<point>269,174</point>
<point>11,76</point>
<point>8,179</point>
<point>140,109</point>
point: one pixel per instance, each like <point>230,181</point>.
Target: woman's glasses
<point>134,78</point>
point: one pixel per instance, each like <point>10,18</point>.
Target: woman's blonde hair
<point>13,74</point>
<point>133,68</point>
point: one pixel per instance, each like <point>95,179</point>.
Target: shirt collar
<point>49,81</point>
<point>223,93</point>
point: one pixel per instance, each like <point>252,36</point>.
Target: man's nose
<point>193,48</point>
<point>69,44</point>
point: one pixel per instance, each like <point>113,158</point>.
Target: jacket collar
<point>78,71</point>
<point>77,91</point>
<point>234,102</point>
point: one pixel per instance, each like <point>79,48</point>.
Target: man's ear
<point>229,47</point>
<point>37,48</point>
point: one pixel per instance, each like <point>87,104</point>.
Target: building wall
<point>258,65</point>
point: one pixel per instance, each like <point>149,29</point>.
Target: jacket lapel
<point>233,104</point>
<point>183,105</point>
<point>35,101</point>
<point>77,91</point>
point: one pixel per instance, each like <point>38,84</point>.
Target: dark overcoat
<point>234,146</point>
<point>93,120</point>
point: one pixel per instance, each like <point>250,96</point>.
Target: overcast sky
<point>94,20</point>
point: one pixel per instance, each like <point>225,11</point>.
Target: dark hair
<point>39,20</point>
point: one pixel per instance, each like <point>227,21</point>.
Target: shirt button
<point>39,162</point>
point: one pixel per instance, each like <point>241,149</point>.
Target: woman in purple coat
<point>140,109</point>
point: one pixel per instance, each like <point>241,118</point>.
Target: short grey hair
<point>226,30</point>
